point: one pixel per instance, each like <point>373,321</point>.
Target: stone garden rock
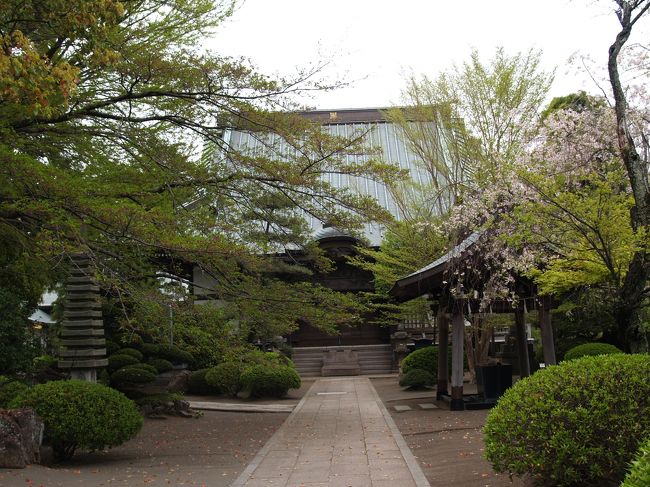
<point>21,434</point>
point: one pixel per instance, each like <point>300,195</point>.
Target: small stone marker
<point>428,405</point>
<point>401,409</point>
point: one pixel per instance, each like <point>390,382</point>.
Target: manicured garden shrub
<point>174,354</point>
<point>417,379</point>
<point>150,349</point>
<point>81,415</point>
<point>116,362</point>
<point>591,349</point>
<point>132,352</point>
<point>226,377</point>
<point>10,389</point>
<point>158,399</point>
<point>132,375</point>
<point>161,364</point>
<point>575,424</point>
<point>197,384</point>
<point>639,474</point>
<point>111,347</point>
<point>423,359</point>
<point>147,367</point>
<point>269,381</point>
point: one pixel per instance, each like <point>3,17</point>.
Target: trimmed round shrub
<point>265,381</point>
<point>226,377</point>
<point>150,349</point>
<point>174,354</point>
<point>132,375</point>
<point>161,364</point>
<point>417,379</point>
<point>423,359</point>
<point>639,474</point>
<point>10,389</point>
<point>574,424</point>
<point>159,399</point>
<point>116,362</point>
<point>147,367</point>
<point>132,352</point>
<point>82,415</point>
<point>591,349</point>
<point>197,384</point>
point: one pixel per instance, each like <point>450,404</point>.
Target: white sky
<point>377,42</point>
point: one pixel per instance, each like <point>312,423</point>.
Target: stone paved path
<point>339,435</point>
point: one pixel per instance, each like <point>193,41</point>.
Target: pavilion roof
<point>429,279</point>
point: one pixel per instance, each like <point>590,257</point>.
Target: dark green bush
<point>111,347</point>
<point>639,474</point>
<point>591,349</point>
<point>417,379</point>
<point>132,352</point>
<point>575,424</point>
<point>146,367</point>
<point>226,377</point>
<point>158,399</point>
<point>174,354</point>
<point>116,362</point>
<point>132,375</point>
<point>197,384</point>
<point>150,349</point>
<point>423,359</point>
<point>269,381</point>
<point>10,389</point>
<point>82,415</point>
<point>161,364</point>
<point>44,361</point>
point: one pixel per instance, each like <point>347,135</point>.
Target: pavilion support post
<point>548,343</point>
<point>522,342</point>
<point>443,354</point>
<point>458,339</point>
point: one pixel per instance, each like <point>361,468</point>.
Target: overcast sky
<point>375,43</point>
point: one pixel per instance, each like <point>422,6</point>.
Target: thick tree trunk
<point>632,295</point>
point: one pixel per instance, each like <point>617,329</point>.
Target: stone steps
<point>373,359</point>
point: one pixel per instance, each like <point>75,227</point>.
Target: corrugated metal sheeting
<point>380,134</point>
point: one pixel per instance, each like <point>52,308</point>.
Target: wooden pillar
<point>522,342</point>
<point>548,344</point>
<point>443,353</point>
<point>458,340</point>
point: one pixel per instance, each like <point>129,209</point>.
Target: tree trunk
<point>632,295</point>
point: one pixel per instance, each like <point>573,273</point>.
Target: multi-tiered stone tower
<point>83,348</point>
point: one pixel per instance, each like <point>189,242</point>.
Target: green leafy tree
<point>106,107</point>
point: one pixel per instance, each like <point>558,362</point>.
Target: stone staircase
<point>373,359</point>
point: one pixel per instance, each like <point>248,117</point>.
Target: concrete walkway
<point>339,435</point>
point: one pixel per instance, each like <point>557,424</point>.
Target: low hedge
<point>81,415</point>
<point>265,381</point>
<point>590,349</point>
<point>574,424</point>
<point>639,474</point>
<point>417,379</point>
<point>225,377</point>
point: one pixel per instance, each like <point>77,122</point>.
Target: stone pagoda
<point>83,349</point>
